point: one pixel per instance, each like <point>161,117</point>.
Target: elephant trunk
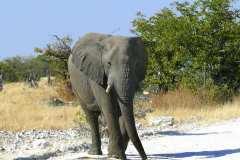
<point>129,122</point>
<point>125,91</point>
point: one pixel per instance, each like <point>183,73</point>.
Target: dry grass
<point>185,107</point>
<point>64,90</point>
<point>24,108</point>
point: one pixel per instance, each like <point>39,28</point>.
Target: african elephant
<point>105,71</point>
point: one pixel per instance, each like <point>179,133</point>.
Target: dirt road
<point>219,142</point>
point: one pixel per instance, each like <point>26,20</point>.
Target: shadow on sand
<point>177,156</point>
<point>169,156</point>
<point>178,133</point>
<point>38,157</point>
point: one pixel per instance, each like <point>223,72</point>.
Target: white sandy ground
<point>216,142</point>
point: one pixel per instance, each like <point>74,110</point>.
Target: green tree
<point>194,46</point>
<point>56,54</point>
<point>18,68</point>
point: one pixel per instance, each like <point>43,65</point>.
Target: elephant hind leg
<point>92,118</point>
<point>124,133</point>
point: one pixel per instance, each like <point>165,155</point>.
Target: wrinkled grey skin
<point>105,71</point>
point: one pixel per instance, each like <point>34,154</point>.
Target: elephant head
<point>118,64</point>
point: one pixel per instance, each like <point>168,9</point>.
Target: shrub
<point>194,46</point>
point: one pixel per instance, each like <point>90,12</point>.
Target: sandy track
<point>219,141</point>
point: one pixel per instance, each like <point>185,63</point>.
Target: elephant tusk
<point>108,89</point>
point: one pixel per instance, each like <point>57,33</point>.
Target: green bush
<point>194,46</point>
<point>18,68</point>
<point>56,54</point>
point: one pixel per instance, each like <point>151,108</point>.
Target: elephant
<point>105,72</point>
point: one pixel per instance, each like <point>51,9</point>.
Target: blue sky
<point>25,24</point>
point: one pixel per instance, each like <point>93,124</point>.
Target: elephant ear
<point>141,64</point>
<point>88,58</point>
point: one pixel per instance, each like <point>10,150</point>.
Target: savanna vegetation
<point>24,108</point>
<point>52,59</point>
<point>195,46</point>
<point>193,52</point>
<point>18,68</point>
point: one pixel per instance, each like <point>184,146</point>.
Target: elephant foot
<point>94,151</point>
<point>117,155</point>
<point>144,157</point>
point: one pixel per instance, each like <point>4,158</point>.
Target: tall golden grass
<point>24,108</point>
<point>186,107</point>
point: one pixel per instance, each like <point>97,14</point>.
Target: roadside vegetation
<point>194,46</point>
<point>185,107</point>
<point>25,108</point>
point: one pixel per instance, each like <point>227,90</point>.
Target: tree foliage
<point>52,59</point>
<point>56,54</point>
<point>18,68</point>
<point>194,46</point>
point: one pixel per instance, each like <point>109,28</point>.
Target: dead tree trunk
<point>1,82</point>
<point>49,77</point>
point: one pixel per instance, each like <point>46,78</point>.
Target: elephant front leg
<point>92,118</point>
<point>115,147</point>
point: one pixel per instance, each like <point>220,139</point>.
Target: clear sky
<point>25,24</point>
